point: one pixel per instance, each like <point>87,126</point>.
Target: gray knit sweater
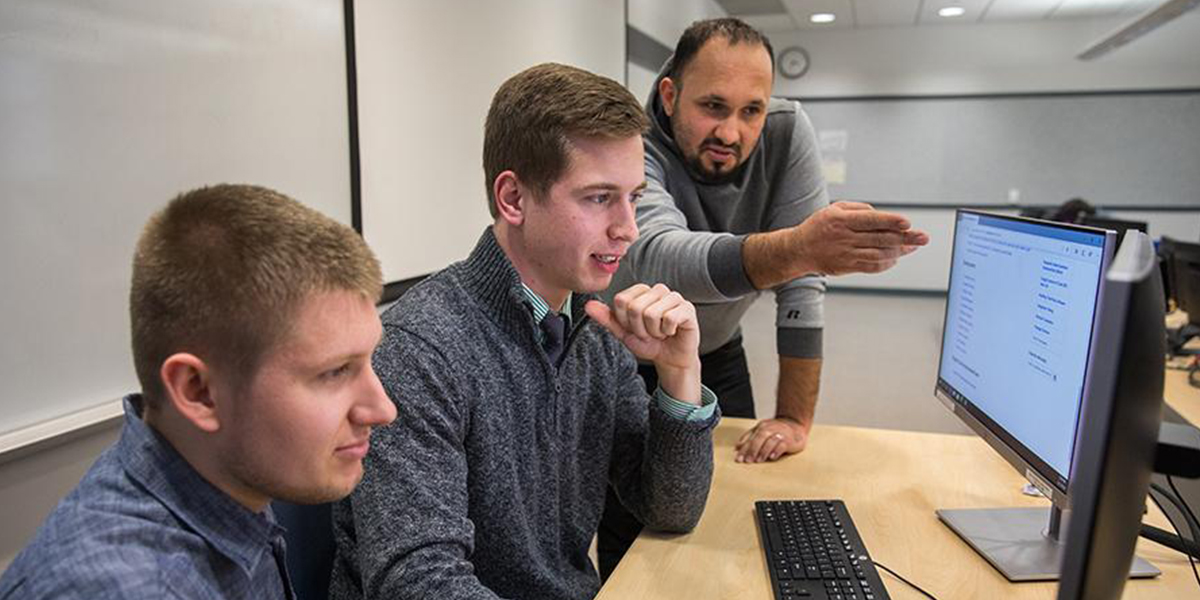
<point>491,481</point>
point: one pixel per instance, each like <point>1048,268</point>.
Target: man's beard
<point>699,172</point>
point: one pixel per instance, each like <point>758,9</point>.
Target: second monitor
<point>1017,343</point>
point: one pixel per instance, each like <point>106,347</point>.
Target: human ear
<point>510,195</point>
<point>187,380</point>
<point>668,94</point>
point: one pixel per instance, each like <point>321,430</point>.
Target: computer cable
<point>1176,528</point>
<point>910,584</point>
<point>1170,540</point>
<point>1191,517</point>
<point>1174,541</point>
<point>1185,510</point>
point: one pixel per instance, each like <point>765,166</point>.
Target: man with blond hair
<point>520,391</point>
<point>253,323</point>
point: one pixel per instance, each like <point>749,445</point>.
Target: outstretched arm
<point>845,237</point>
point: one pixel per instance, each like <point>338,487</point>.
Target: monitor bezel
<point>1120,432</point>
<point>1054,485</point>
<point>1114,224</point>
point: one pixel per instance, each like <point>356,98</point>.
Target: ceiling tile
<point>885,13</point>
<point>1138,7</point>
<point>743,8</point>
<point>802,9</point>
<point>1019,10</point>
<point>770,23</point>
<point>1088,9</point>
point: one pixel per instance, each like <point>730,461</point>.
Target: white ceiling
<point>774,16</point>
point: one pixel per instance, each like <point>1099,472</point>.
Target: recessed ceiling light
<point>951,11</point>
<point>822,17</point>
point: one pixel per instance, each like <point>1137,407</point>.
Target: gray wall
<point>421,113</point>
<point>31,484</point>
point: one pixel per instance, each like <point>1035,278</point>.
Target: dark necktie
<point>554,328</point>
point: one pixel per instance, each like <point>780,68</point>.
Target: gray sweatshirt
<point>691,233</point>
<point>490,482</point>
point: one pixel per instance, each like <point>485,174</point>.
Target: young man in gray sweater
<point>518,391</point>
<point>736,204</point>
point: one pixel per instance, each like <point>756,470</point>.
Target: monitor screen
<point>1020,311</point>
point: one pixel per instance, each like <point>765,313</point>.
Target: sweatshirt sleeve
<point>409,513</point>
<point>704,266</point>
<point>799,303</point>
<point>661,466</point>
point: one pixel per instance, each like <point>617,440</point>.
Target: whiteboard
<point>426,73</point>
<point>1111,149</point>
<point>108,110</point>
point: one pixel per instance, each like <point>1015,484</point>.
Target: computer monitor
<point>1181,262</point>
<point>1164,248</point>
<point>1017,342</point>
<point>1119,429</point>
<point>1118,225</point>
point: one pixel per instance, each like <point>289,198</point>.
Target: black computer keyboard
<point>814,552</point>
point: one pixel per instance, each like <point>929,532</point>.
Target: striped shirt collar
<point>540,307</point>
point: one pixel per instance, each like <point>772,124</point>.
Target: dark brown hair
<point>735,31</point>
<point>535,114</point>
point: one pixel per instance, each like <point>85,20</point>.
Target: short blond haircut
<point>221,271</point>
<point>535,114</point>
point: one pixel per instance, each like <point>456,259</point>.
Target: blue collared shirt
<point>144,524</point>
<point>676,408</point>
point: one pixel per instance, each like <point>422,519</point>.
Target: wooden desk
<point>891,481</point>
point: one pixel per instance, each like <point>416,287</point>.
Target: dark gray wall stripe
<point>352,105</point>
<point>996,95</point>
<point>645,51</point>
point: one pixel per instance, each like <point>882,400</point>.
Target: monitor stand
<point>1022,543</point>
